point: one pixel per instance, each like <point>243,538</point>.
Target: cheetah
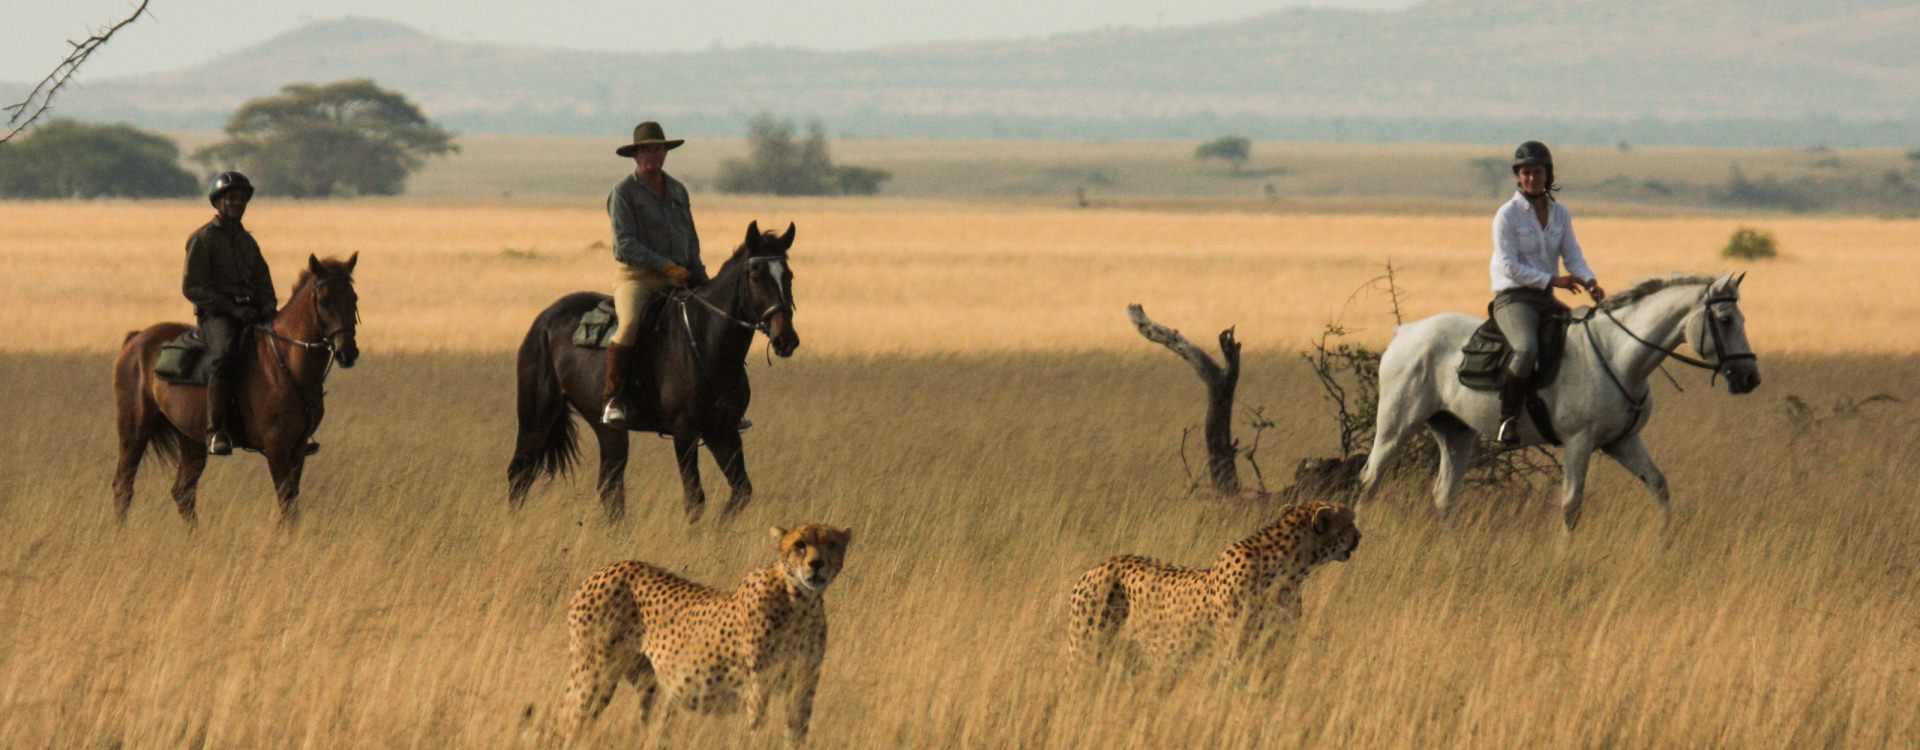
<point>703,649</point>
<point>1171,612</point>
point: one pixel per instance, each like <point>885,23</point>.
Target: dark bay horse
<point>278,395</point>
<point>690,381</point>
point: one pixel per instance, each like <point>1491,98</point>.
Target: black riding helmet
<point>226,181</point>
<point>1532,152</point>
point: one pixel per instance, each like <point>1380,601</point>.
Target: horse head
<point>336,307</point>
<point>1720,334</point>
<point>769,286</point>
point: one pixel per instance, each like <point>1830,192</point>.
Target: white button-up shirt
<point>1526,254</point>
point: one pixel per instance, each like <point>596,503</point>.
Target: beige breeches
<point>631,288</point>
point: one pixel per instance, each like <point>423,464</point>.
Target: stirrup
<point>1509,434</point>
<point>219,444</point>
<point>613,415</point>
<point>745,424</point>
<point>311,448</point>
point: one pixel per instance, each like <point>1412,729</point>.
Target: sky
<point>182,33</point>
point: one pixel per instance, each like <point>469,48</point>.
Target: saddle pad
<point>596,327</point>
<point>1484,356</point>
<point>182,360</point>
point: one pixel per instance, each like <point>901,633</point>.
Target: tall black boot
<point>615,414</point>
<point>219,401</point>
<point>1513,395</point>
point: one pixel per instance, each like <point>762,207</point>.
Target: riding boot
<point>615,414</point>
<point>219,400</point>
<point>1513,394</point>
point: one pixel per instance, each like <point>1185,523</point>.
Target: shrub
<point>1748,243</point>
<point>779,164</point>
<point>67,159</point>
<point>1233,149</point>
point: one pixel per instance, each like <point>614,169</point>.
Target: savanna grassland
<point>969,399</point>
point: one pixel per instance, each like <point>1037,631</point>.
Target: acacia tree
<point>1233,149</point>
<point>315,141</point>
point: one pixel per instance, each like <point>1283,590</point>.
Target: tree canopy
<point>68,159</point>
<point>778,164</point>
<point>1233,149</point>
<point>318,140</point>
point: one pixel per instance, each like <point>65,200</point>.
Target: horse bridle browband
<point>763,325</point>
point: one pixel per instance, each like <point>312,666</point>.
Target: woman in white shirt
<point>1532,237</point>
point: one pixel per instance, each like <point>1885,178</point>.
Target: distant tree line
<point>779,164</point>
<point>68,159</point>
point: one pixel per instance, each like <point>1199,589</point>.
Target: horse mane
<point>336,268</point>
<point>1647,287</point>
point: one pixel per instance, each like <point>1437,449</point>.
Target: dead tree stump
<point>1222,450</point>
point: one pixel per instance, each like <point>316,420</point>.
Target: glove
<point>676,273</point>
<point>243,314</point>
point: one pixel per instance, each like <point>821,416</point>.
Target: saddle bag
<point>596,327</point>
<point>179,360</point>
<point>1483,359</point>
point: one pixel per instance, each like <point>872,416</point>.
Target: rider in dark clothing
<point>231,288</point>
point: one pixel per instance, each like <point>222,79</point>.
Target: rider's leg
<point>1520,323</point>
<point>222,335</point>
<point>631,288</point>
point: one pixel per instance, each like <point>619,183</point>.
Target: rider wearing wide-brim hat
<point>230,286</point>
<point>654,244</point>
<point>1532,238</point>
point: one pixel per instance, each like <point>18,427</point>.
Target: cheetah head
<point>811,554</point>
<point>1332,526</point>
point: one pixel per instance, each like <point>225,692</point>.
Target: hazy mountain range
<point>1792,72</point>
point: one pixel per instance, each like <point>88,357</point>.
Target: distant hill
<point>1702,71</point>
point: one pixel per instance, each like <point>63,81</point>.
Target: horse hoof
<point>694,510</point>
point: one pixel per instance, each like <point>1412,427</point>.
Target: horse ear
<point>352,259</point>
<point>786,240</point>
<point>313,265</point>
<point>753,234</point>
<point>1738,279</point>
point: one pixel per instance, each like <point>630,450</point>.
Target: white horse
<point>1599,399</point>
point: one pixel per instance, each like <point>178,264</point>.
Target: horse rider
<point>231,288</point>
<point>1532,237</point>
<point>655,245</point>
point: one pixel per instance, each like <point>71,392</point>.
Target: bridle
<point>763,324</point>
<point>1638,405</point>
<point>324,344</point>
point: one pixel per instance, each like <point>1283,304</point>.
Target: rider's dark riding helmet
<point>226,181</point>
<point>1532,152</point>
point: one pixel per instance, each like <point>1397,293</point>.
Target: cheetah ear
<point>846,536</point>
<point>1323,520</point>
<point>777,533</point>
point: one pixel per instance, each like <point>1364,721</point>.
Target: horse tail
<point>545,447</point>
<point>140,418</point>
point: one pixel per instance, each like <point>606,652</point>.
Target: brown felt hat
<point>647,134</point>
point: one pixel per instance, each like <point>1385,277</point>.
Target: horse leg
<point>133,446</point>
<point>613,470</point>
<point>186,484</point>
<point>1573,460</point>
<point>686,447</point>
<point>1391,429</point>
<point>1630,452</point>
<point>286,463</point>
<point>724,444</point>
<point>1455,441</point>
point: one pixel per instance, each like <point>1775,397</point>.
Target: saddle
<point>596,327</point>
<point>1484,358</point>
<point>182,360</point>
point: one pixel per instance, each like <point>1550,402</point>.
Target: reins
<point>324,344</point>
<point>763,325</point>
<point>1638,404</point>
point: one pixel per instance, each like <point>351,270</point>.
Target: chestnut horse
<point>278,394</point>
<point>690,380</point>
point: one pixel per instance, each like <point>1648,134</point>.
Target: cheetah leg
<point>600,652</point>
<point>800,705</point>
<point>755,696</point>
<point>648,684</point>
<point>1100,608</point>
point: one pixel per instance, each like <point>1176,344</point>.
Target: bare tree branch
<point>1221,381</point>
<point>24,113</point>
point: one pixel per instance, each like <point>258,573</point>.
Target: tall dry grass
<point>410,609</point>
<point>884,276</point>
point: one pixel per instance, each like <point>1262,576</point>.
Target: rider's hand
<point>1594,291</point>
<point>1567,282</point>
<point>244,314</point>
<point>676,273</point>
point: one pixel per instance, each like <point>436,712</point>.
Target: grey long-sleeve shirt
<point>650,231</point>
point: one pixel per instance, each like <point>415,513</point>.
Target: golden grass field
<point>969,399</point>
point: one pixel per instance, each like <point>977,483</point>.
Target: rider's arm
<point>1570,254</point>
<point>627,247</point>
<point>197,280</point>
<point>263,296</point>
<point>1506,254</point>
<point>698,268</point>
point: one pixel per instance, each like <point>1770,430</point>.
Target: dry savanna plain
<point>969,398</point>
